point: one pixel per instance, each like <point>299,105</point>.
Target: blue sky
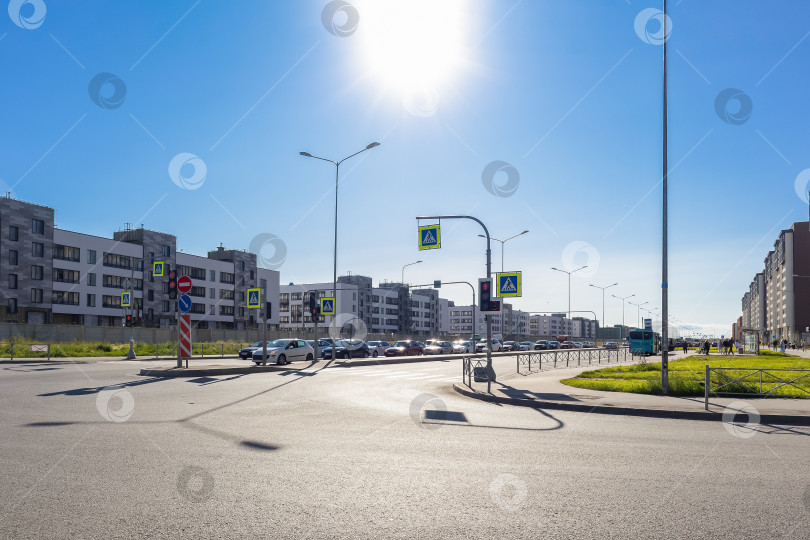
<point>567,93</point>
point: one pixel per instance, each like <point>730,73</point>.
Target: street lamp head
<point>524,232</point>
<point>305,154</point>
<point>372,145</point>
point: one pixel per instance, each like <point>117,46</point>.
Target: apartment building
<point>51,275</point>
<point>777,302</point>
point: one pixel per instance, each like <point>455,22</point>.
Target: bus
<point>644,342</point>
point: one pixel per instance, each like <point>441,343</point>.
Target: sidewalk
<point>545,391</point>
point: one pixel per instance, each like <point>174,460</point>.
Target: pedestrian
<point>737,345</point>
<point>782,346</point>
<point>684,348</point>
<point>804,345</point>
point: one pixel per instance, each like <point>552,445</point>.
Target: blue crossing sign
<point>184,303</point>
<point>157,269</point>
<point>327,306</point>
<point>430,237</point>
<point>510,284</point>
<point>254,298</point>
<point>126,299</point>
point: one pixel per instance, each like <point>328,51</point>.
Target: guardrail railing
<point>25,350</point>
<point>753,382</point>
<point>474,369</point>
<point>567,356</point>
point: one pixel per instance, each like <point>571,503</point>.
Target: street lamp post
<point>337,176</point>
<point>502,270</point>
<point>569,284</point>
<point>622,299</point>
<point>603,298</point>
<point>639,311</point>
<point>403,270</point>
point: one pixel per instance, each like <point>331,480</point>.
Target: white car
<point>284,351</point>
<point>526,345</point>
<point>435,346</point>
<point>463,347</point>
<point>377,348</point>
<point>481,346</point>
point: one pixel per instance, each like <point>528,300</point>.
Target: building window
<point>252,275</point>
<point>226,294</point>
<point>198,308</point>
<point>213,276</point>
<point>165,251</point>
<point>12,257</point>
<point>241,312</point>
<point>66,253</point>
<point>12,305</point>
<point>13,233</point>
<point>12,281</point>
<point>91,256</point>
<point>91,300</point>
<point>242,296</point>
<point>37,226</point>
<point>263,283</point>
<point>150,295</point>
<point>91,280</point>
<point>241,265</point>
<point>226,310</point>
<point>212,293</point>
<point>164,306</point>
<point>63,297</point>
<point>36,296</point>
<point>197,291</point>
<point>119,261</point>
<point>61,275</point>
<point>37,272</point>
<point>212,310</point>
<point>226,277</point>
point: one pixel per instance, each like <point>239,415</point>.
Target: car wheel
<point>257,363</point>
<point>374,354</point>
<point>310,358</point>
<point>281,360</point>
<point>365,354</point>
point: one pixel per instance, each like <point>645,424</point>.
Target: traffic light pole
<point>490,371</point>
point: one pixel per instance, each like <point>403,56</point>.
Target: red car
<point>408,347</point>
<point>567,345</point>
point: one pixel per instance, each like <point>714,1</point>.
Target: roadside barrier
<point>758,382</point>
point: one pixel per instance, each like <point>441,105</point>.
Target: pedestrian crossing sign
<point>157,269</point>
<point>254,298</point>
<point>510,284</point>
<point>429,237</point>
<point>327,306</point>
<point>126,299</point>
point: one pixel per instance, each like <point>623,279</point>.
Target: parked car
<point>464,347</point>
<point>435,346</point>
<point>553,344</point>
<point>567,345</point>
<point>377,348</point>
<point>588,344</point>
<point>407,347</point>
<point>346,348</point>
<point>611,345</point>
<point>541,345</point>
<point>481,346</point>
<point>526,345</point>
<point>510,346</point>
<point>247,352</point>
<point>578,344</point>
<point>284,351</point>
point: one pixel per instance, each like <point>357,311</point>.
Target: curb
<point>707,416</point>
<point>203,372</point>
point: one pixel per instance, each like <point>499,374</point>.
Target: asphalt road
<point>370,452</point>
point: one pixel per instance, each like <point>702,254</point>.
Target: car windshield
<point>257,344</point>
<point>401,344</point>
<point>279,343</point>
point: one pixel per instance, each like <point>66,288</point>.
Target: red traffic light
<point>172,275</point>
<point>485,285</point>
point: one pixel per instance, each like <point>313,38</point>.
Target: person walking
<point>804,345</point>
<point>782,346</point>
<point>684,348</point>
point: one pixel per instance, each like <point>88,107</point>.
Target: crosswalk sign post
<point>510,284</point>
<point>254,298</point>
<point>126,299</point>
<point>327,306</point>
<point>157,269</point>
<point>430,237</point>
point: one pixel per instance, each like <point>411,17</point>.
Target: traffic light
<point>484,293</point>
<point>268,309</point>
<point>314,308</point>
<point>129,320</point>
<point>172,282</point>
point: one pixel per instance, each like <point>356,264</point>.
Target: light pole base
<point>131,353</point>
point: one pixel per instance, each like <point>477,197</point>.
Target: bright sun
<point>413,45</point>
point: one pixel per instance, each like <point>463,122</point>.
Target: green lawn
<point>22,349</point>
<point>686,376</point>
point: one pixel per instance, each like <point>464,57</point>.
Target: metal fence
<point>474,369</point>
<point>532,362</point>
<point>25,350</point>
<point>753,382</point>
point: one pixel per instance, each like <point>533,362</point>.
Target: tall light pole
<point>603,300</point>
<point>665,232</point>
<point>569,284</point>
<point>337,176</point>
<point>502,270</point>
<point>403,270</point>
<point>639,311</point>
<point>622,299</point>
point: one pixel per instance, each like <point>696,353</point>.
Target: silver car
<point>284,351</point>
<point>377,348</point>
<point>464,347</point>
<point>438,347</point>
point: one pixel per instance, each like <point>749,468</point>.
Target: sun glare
<point>415,45</point>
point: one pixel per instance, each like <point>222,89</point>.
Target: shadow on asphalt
<point>96,389</point>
